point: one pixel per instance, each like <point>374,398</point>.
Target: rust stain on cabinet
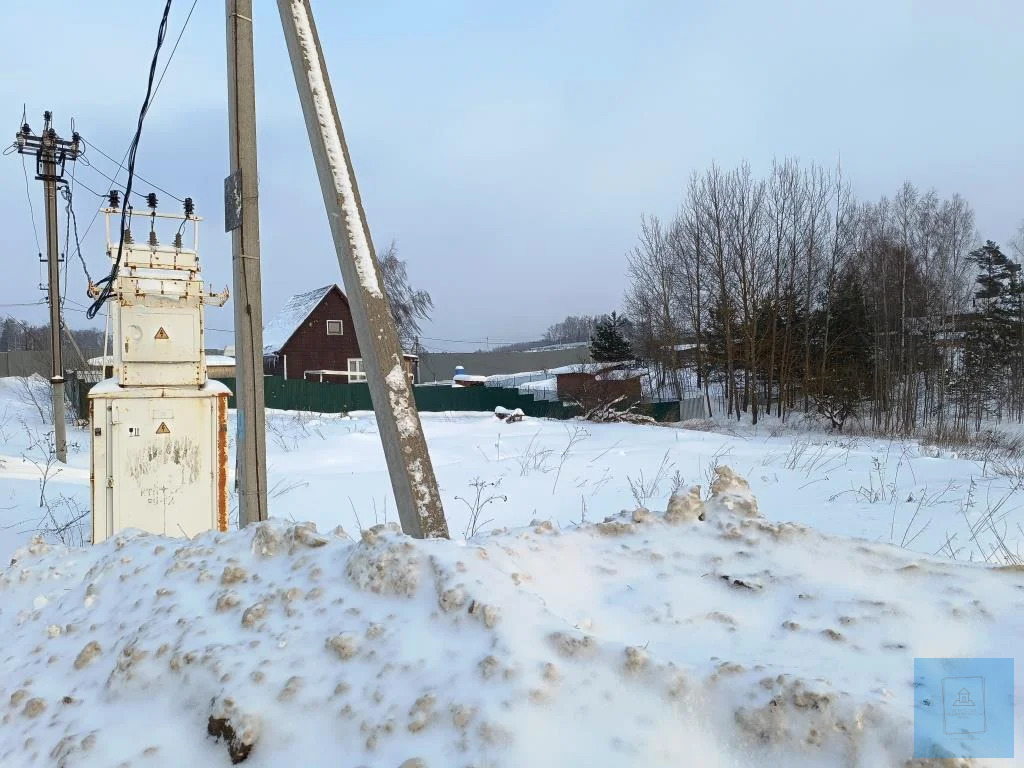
<point>222,463</point>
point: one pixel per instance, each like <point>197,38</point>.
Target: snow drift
<point>702,636</point>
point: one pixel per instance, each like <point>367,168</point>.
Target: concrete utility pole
<point>51,154</point>
<point>412,474</point>
<point>53,294</point>
<point>242,219</point>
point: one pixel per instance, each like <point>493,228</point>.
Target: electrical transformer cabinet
<point>159,459</point>
<point>158,320</point>
<point>159,427</point>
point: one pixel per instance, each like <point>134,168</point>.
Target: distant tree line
<point>572,330</point>
<point>793,295</point>
<point>17,335</point>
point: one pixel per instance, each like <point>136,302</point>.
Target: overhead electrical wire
<point>67,192</point>
<point>28,196</point>
<point>90,190</point>
<point>137,175</point>
<point>174,48</point>
<point>72,225</point>
<point>107,282</point>
<point>31,208</point>
<point>152,97</point>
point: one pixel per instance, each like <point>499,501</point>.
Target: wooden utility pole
<point>405,449</point>
<point>51,153</point>
<point>242,219</point>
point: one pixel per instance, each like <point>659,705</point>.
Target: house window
<point>356,370</point>
<point>334,328</point>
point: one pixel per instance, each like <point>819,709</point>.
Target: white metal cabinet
<point>159,428</point>
<point>159,459</point>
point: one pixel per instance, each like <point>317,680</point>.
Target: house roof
<point>294,313</point>
<point>591,368</point>
<point>622,374</point>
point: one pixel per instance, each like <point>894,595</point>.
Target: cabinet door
<point>149,335</point>
<point>165,465</point>
<point>101,469</point>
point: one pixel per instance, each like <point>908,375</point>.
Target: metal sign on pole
<point>405,448</point>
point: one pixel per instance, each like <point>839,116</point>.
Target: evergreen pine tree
<point>844,381</point>
<point>609,343</point>
<point>992,341</point>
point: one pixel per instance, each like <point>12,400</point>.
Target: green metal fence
<point>299,395</point>
<point>487,399</point>
<point>668,411</point>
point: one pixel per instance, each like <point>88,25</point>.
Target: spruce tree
<point>609,344</point>
<point>841,358</point>
<point>992,341</point>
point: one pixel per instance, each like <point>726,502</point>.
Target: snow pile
<point>515,379</point>
<point>509,417</point>
<point>705,636</point>
<point>541,389</point>
<point>461,379</point>
<point>591,368</point>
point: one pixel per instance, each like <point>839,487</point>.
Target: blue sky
<point>510,149</point>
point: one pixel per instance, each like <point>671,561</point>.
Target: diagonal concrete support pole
<point>412,474</point>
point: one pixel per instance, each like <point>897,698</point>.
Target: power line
<point>28,196</point>
<point>117,184</point>
<point>31,208</point>
<point>167,64</point>
<point>108,282</point>
<point>170,57</point>
<point>66,192</point>
<point>137,175</point>
<point>89,189</point>
<point>72,221</point>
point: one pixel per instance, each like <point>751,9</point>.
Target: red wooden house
<point>313,338</point>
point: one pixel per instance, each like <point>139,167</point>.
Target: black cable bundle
<point>108,282</point>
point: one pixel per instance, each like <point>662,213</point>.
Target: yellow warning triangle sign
<point>162,429</point>
<point>161,334</point>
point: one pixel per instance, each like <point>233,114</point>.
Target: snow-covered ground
<point>330,470</point>
<point>562,639</point>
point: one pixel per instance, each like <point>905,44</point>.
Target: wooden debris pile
<point>606,413</point>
